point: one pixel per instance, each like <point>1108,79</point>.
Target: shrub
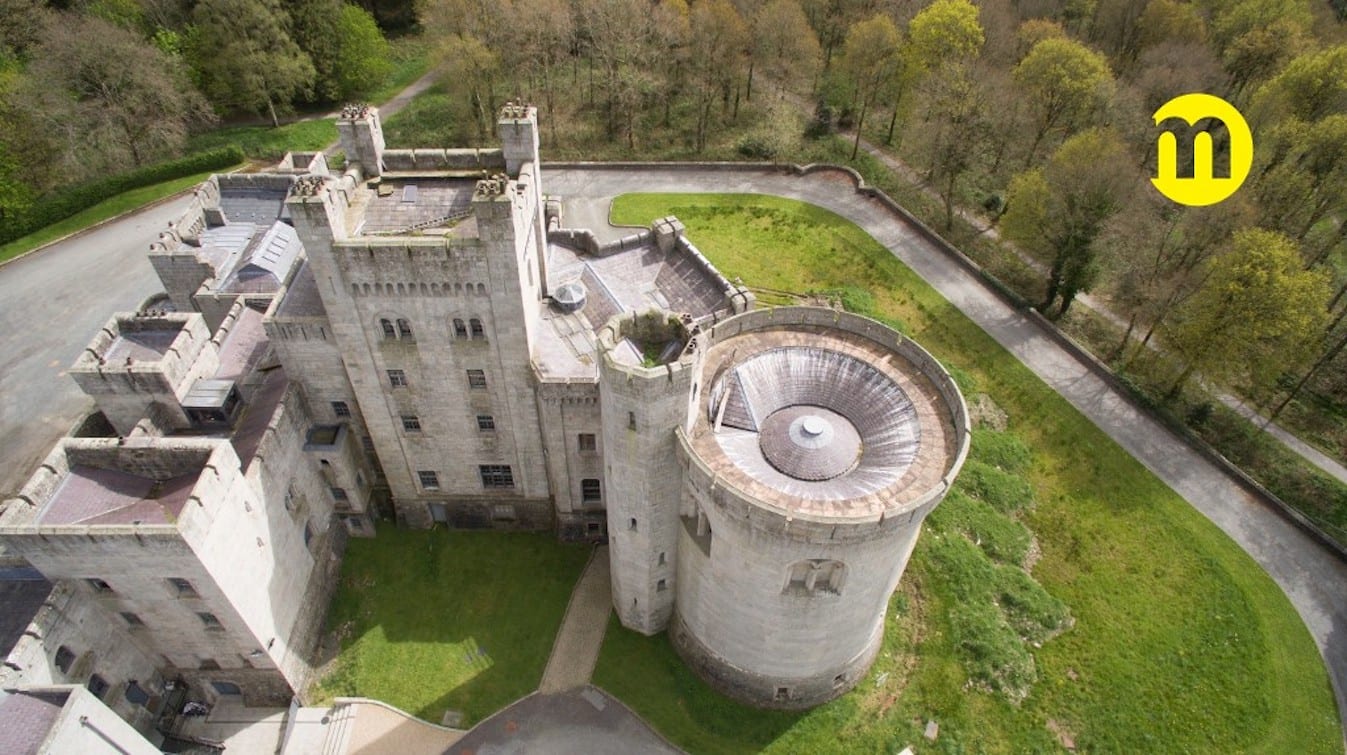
<point>66,202</point>
<point>755,148</point>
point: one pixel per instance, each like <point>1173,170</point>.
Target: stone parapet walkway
<point>576,649</point>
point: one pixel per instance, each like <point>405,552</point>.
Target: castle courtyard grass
<point>433,620</point>
<point>1181,642</point>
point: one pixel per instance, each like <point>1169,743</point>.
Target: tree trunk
<point>1126,337</point>
<point>893,122</point>
<point>860,122</point>
<point>271,108</point>
<point>748,87</point>
<point>1322,361</point>
<point>949,200</point>
<point>1177,387</point>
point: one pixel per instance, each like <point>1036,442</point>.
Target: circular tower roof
<point>849,421</point>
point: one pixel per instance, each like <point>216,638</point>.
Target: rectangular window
<point>397,378</point>
<point>587,442</point>
<point>631,420</point>
<point>476,326</point>
<point>496,476</point>
<point>341,409</point>
<point>477,380</point>
<point>662,585</point>
<point>339,495</point>
<point>429,480</point>
<point>99,585</point>
<point>591,491</point>
<point>131,619</point>
<point>208,620</point>
<point>485,422</point>
<point>182,588</point>
<point>411,423</point>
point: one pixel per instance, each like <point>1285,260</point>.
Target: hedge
<point>63,203</point>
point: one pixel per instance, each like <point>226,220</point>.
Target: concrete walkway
<point>576,648</point>
<point>1313,579</point>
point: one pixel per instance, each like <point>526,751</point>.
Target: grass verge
<point>108,208</point>
<point>1181,642</point>
<point>267,143</point>
<point>430,621</point>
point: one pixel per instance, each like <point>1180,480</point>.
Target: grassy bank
<point>430,620</point>
<point>1181,642</point>
<point>107,209</point>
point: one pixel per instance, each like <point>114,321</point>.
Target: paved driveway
<point>51,304</point>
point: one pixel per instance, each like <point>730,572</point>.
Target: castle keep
<point>421,338</point>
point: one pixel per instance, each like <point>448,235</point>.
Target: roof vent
<point>570,297</point>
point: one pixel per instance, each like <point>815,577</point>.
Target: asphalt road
<point>51,304</point>
<point>55,300</point>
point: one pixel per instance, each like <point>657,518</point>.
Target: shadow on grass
<point>430,621</point>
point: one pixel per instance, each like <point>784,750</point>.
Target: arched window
<point>476,326</point>
<point>404,329</point>
<point>481,289</point>
<point>460,330</point>
<point>387,325</point>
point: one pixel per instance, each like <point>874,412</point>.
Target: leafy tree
<point>107,96</point>
<point>1255,317</point>
<point>22,23</point>
<point>245,58</point>
<point>869,61</point>
<point>1256,37</point>
<point>1311,86</point>
<point>362,57</point>
<point>469,63</point>
<point>945,30</point>
<point>1170,21</point>
<point>1305,180</point>
<point>1065,84</point>
<point>1059,211</point>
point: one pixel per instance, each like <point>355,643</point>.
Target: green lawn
<point>431,620</point>
<point>1180,643</point>
<point>267,143</point>
<point>108,208</point>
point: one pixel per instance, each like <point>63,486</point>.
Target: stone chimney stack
<point>518,131</point>
<point>362,138</point>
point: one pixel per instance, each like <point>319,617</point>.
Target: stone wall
<point>641,408</point>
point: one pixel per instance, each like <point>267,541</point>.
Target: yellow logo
<point>1203,188</point>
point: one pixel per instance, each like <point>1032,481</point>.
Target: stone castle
<point>419,337</point>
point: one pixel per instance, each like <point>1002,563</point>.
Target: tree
<point>1065,84</point>
<point>1305,179</point>
<point>1058,211</point>
<point>107,96</point>
<point>956,121</point>
<point>718,37</point>
<point>869,61</point>
<point>1255,317</point>
<point>470,64</point>
<point>245,58</point>
<point>349,53</point>
<point>1310,87</point>
<point>946,30</point>
<point>784,46</point>
<point>1256,37</point>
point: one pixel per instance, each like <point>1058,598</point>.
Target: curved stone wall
<point>781,599</point>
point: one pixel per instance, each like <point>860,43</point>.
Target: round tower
<point>820,442</point>
<point>645,389</point>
